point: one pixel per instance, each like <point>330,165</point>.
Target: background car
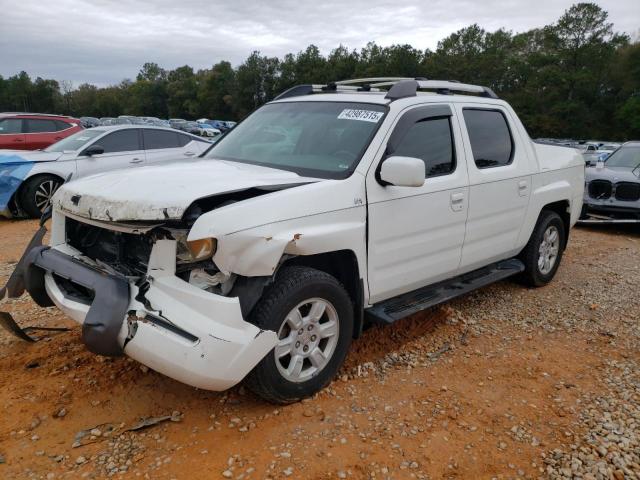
<point>29,180</point>
<point>613,186</point>
<point>32,131</point>
<point>90,122</point>
<point>206,130</point>
<point>190,127</point>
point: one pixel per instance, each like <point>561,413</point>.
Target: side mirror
<point>93,150</point>
<point>403,171</point>
<point>600,164</point>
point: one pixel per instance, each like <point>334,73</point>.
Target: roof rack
<point>401,87</point>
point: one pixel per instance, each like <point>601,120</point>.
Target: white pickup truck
<point>329,207</point>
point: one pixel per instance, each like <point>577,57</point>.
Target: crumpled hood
<point>15,165</point>
<point>613,174</point>
<point>163,192</point>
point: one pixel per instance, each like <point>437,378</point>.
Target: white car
<point>328,207</point>
<point>206,130</point>
<point>28,179</point>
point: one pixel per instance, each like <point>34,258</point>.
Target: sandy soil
<point>485,386</point>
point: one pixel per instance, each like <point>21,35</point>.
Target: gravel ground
<point>506,382</point>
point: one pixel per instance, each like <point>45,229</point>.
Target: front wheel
<point>312,314</point>
<point>543,253</point>
<point>37,192</point>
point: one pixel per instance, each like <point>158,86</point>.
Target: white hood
<point>163,192</point>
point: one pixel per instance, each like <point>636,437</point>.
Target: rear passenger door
<point>41,132</point>
<point>122,149</point>
<point>12,136</point>
<point>499,184</point>
<point>162,145</point>
<point>416,233</point>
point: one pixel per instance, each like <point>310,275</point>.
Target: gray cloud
<point>105,41</point>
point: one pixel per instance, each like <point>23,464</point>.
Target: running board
<point>409,303</point>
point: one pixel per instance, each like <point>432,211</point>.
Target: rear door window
<point>10,126</point>
<point>490,137</point>
<point>38,125</point>
<point>121,141</point>
<point>158,139</point>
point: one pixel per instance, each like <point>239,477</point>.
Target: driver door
<point>122,149</point>
<point>416,233</point>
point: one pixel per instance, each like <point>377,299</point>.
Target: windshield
<point>317,139</point>
<point>626,157</point>
<point>74,142</point>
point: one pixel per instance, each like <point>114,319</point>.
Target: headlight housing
<point>196,250</point>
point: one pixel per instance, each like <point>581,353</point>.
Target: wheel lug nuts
<point>297,344</point>
<point>313,338</point>
<point>310,327</point>
<point>306,348</point>
<point>301,331</point>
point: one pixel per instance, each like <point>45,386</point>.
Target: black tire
<point>292,286</point>
<point>31,193</point>
<point>532,275</point>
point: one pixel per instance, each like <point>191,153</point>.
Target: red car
<point>33,131</point>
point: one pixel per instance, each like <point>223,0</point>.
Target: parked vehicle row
<point>592,150</point>
<point>203,127</point>
<point>327,207</point>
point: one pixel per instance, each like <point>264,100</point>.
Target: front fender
<point>257,251</point>
<point>13,171</point>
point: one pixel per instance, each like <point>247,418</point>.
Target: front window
<point>625,157</point>
<point>74,142</point>
<point>317,139</point>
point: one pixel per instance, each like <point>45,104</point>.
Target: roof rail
<point>444,87</point>
<point>401,87</point>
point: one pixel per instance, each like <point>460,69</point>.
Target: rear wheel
<point>313,316</point>
<point>36,194</point>
<point>543,253</point>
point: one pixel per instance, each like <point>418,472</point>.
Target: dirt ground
<point>506,382</point>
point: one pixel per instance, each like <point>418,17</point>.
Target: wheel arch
<point>15,200</point>
<point>563,209</point>
<point>343,265</point>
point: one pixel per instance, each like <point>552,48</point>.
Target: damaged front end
<point>143,290</point>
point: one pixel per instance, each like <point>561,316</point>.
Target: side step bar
<point>409,303</point>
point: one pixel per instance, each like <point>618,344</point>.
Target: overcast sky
<point>104,41</point>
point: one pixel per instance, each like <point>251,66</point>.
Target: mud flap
<point>15,287</point>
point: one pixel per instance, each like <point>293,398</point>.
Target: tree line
<point>575,78</point>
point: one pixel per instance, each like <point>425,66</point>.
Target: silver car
<point>28,179</point>
<point>613,186</point>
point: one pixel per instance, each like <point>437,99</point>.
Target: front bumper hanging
<point>103,321</point>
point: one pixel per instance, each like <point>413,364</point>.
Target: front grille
<point>628,191</point>
<point>125,252</point>
<point>600,189</point>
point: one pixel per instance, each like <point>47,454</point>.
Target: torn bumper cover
<point>171,326</point>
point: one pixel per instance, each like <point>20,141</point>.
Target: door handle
<point>189,154</point>
<point>18,140</point>
<point>457,201</point>
<point>136,160</point>
<point>58,138</point>
<point>523,186</point>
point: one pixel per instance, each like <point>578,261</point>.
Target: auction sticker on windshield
<point>363,115</point>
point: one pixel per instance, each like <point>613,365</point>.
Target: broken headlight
<point>195,250</point>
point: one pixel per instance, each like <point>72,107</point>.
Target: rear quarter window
<point>490,137</point>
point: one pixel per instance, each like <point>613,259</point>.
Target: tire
<point>301,289</point>
<point>584,212</point>
<point>36,194</point>
<point>538,272</point>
